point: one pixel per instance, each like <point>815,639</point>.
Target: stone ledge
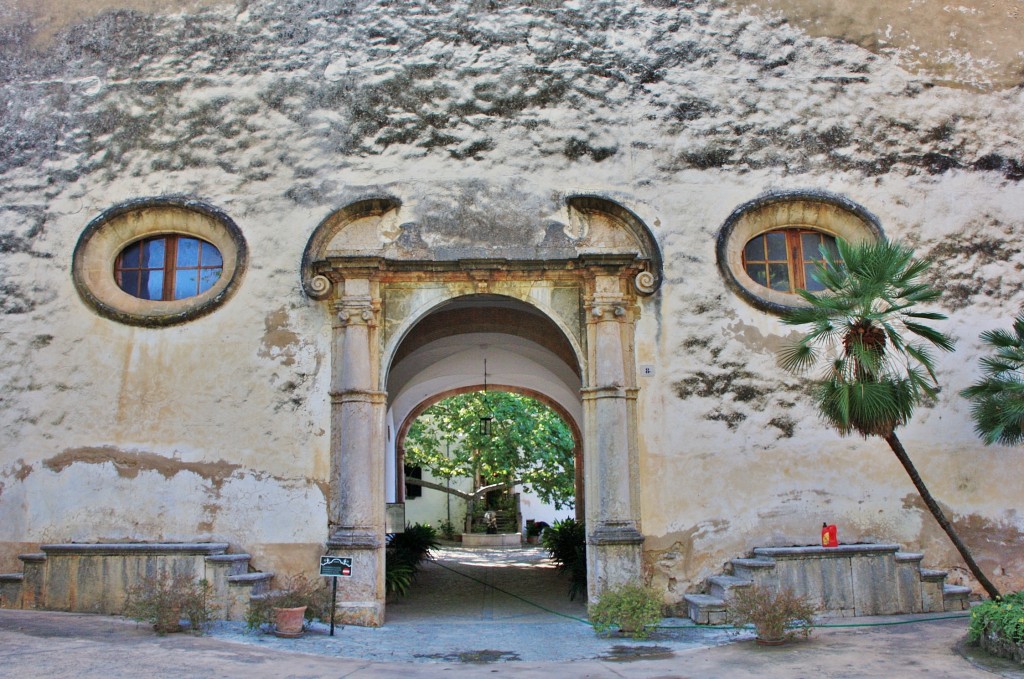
<point>933,575</point>
<point>35,557</point>
<point>131,548</point>
<point>12,577</point>
<point>754,563</point>
<point>248,578</point>
<point>492,540</point>
<point>816,551</point>
<point>228,558</point>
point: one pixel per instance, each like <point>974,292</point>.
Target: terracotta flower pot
<point>288,622</point>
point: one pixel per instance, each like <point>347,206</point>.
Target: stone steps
<point>839,581</point>
<point>64,576</point>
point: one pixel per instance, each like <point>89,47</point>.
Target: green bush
<point>776,616</point>
<point>404,553</point>
<point>566,541</point>
<point>632,608</point>
<point>1003,617</point>
<point>165,599</point>
<point>447,529</point>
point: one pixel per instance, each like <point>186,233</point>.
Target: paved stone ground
<point>455,626</point>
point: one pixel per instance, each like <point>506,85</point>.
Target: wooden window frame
<point>796,260</point>
<point>170,266</point>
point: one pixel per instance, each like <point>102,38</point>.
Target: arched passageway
<point>413,318</point>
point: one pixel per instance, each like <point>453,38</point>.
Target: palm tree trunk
<point>933,507</point>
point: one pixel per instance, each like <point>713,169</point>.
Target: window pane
<point>809,272</point>
<point>754,252</point>
<point>811,246</point>
<point>130,256</point>
<point>777,251</point>
<point>207,277</point>
<point>759,273</point>
<point>830,246</point>
<point>129,281</point>
<point>188,252</point>
<point>153,254</point>
<point>152,284</point>
<point>186,283</point>
<point>778,276</point>
<point>211,256</point>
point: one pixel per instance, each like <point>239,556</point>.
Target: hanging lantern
<point>486,420</point>
<point>485,424</point>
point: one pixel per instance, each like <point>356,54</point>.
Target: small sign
<point>336,566</point>
<point>647,370</point>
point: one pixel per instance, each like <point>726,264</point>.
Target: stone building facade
<point>394,191</point>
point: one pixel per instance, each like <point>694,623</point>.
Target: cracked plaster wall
<point>279,112</point>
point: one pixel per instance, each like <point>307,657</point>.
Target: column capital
<point>357,310</point>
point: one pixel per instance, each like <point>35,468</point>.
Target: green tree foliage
<point>998,397</point>
<point>529,444</point>
<point>875,350</point>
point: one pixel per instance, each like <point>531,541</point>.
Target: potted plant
<point>777,617</point>
<point>288,608</point>
<point>633,609</point>
<point>164,599</point>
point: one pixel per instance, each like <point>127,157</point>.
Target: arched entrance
<point>445,352</point>
<point>385,269</point>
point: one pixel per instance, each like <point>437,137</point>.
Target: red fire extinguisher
<point>828,535</point>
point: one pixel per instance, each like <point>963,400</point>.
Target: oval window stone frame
<point>113,230</point>
<point>814,210</point>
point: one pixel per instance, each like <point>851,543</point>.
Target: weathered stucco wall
<point>279,112</point>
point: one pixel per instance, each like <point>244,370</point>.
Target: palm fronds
<point>876,350</point>
<point>997,399</point>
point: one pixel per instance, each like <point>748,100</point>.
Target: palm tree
<point>998,398</point>
<point>876,350</point>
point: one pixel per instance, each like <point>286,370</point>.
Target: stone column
<point>357,455</point>
<point>614,541</point>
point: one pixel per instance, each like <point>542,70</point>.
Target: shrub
<point>566,541</point>
<point>447,529</point>
<point>632,608</point>
<point>404,553</point>
<point>165,599</point>
<point>413,546</point>
<point>397,578</point>
<point>776,616</point>
<point>1002,617</point>
<point>296,591</point>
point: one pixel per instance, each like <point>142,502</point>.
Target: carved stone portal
<point>372,261</point>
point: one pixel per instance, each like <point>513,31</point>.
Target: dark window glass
<point>168,268</point>
<point>786,259</point>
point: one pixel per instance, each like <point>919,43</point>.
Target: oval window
<point>168,267</point>
<point>786,259</point>
<point>159,261</point>
<point>771,247</point>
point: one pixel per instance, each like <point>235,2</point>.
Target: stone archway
<point>383,267</point>
<point>443,356</point>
